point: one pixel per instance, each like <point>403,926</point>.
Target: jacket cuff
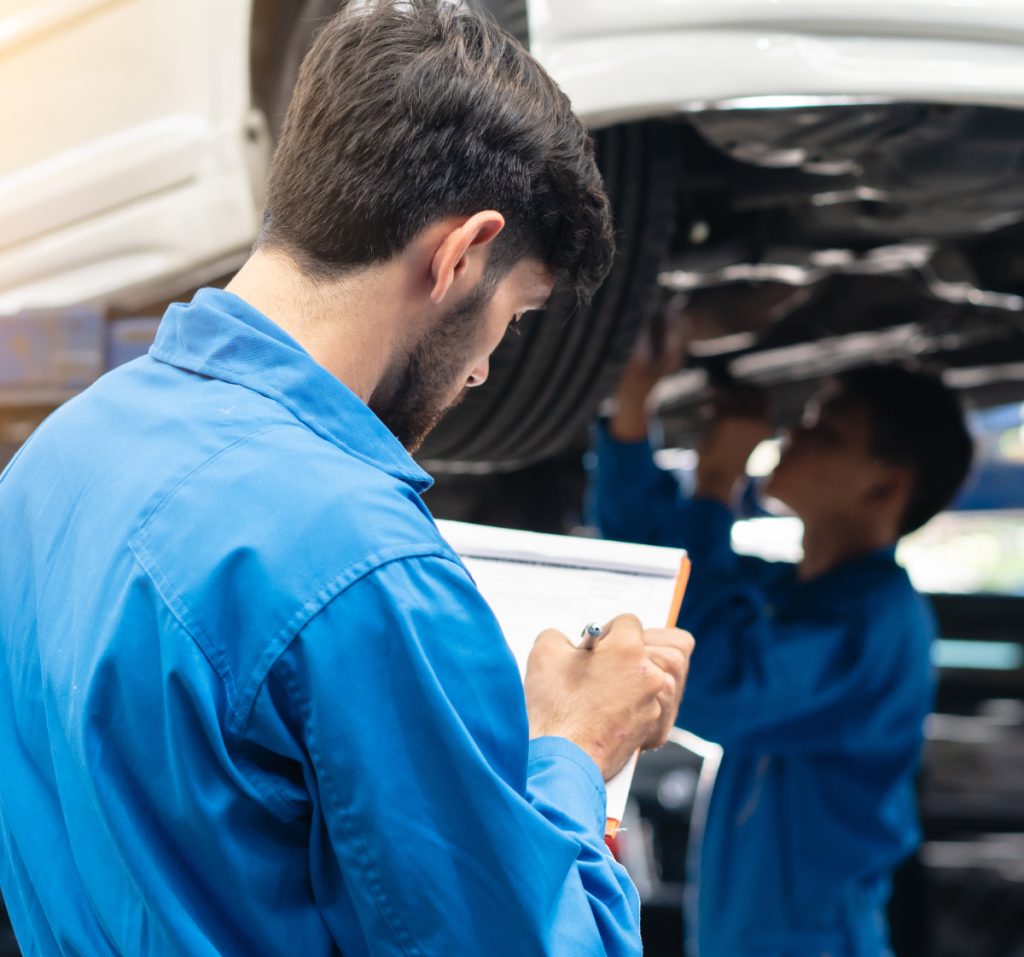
<point>626,458</point>
<point>563,776</point>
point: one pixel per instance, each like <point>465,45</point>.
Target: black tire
<point>545,385</point>
<point>513,15</point>
<point>313,15</point>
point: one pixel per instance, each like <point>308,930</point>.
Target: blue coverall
<point>251,703</point>
<point>817,692</point>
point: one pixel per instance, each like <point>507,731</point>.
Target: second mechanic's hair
<point>916,421</point>
<point>409,111</point>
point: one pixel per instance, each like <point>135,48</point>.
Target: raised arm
<point>630,498</point>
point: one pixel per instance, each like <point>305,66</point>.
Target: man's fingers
<point>670,692</point>
<point>658,740</point>
<point>669,649</point>
<point>672,661</point>
<point>551,636</point>
<point>669,638</point>
<point>624,627</point>
<point>549,643</point>
<point>661,726</point>
<point>668,704</point>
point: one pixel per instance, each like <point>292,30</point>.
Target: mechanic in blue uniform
<point>251,701</point>
<point>814,677</point>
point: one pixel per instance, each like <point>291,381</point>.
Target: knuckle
<point>550,637</point>
<point>674,659</point>
<point>672,663</point>
<point>654,677</point>
<point>628,624</point>
<point>683,639</point>
<point>546,644</point>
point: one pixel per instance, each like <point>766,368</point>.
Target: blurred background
<point>815,185</point>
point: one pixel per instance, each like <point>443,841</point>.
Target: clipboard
<point>534,581</point>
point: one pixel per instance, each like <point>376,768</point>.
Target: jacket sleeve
<point>444,827</point>
<point>630,499</point>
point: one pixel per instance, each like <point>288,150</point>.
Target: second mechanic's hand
<point>650,362</point>
<point>612,700</point>
<point>740,420</point>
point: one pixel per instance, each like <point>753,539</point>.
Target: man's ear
<point>463,249</point>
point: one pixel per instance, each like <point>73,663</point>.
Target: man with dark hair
<point>815,677</point>
<point>253,702</point>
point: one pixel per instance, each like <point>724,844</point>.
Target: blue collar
<point>879,557</point>
<point>847,577</point>
<point>221,336</point>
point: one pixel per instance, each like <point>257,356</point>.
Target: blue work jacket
<point>817,692</point>
<point>251,703</point>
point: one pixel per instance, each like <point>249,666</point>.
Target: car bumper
<point>620,62</point>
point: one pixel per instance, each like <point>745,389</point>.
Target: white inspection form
<point>533,582</point>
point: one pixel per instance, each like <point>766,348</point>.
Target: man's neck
<point>833,543</point>
<point>340,323</point>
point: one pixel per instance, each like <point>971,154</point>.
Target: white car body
<point>133,158</point>
<point>624,61</point>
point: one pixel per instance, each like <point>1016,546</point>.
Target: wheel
<point>312,16</point>
<point>545,385</point>
<point>513,15</point>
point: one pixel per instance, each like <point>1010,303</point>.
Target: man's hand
<point>740,420</point>
<point>658,353</point>
<point>614,699</point>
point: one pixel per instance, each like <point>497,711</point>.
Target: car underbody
<point>818,235</point>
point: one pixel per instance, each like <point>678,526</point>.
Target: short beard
<point>413,398</point>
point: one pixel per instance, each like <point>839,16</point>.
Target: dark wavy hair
<point>916,421</point>
<point>409,111</point>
